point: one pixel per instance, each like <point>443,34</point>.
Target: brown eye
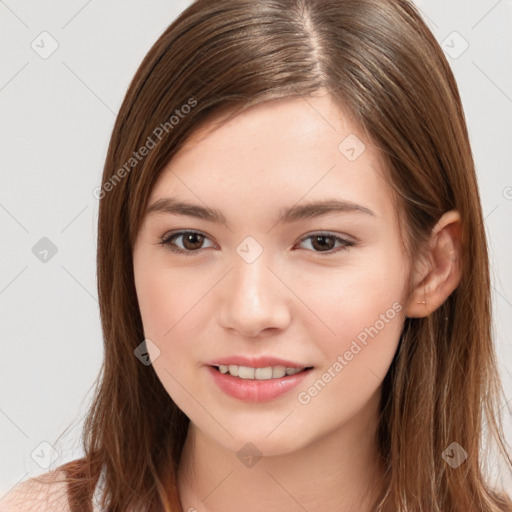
<point>323,243</point>
<point>191,241</point>
<point>326,242</point>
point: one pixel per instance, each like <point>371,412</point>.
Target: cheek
<point>365,307</point>
<point>355,366</point>
<point>367,328</point>
<point>369,291</point>
<point>170,305</point>
<point>165,298</point>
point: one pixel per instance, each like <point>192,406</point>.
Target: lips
<point>254,388</point>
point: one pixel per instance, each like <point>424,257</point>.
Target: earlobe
<point>442,275</point>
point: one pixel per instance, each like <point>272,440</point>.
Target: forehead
<point>275,153</point>
<point>304,121</point>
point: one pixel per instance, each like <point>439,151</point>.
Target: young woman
<point>292,273</point>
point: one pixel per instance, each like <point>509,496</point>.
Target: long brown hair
<point>378,59</point>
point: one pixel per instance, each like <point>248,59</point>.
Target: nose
<point>254,300</point>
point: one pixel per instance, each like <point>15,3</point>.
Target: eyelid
<point>345,238</point>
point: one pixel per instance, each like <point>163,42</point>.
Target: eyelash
<point>166,242</point>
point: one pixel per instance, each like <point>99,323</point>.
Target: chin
<point>266,442</point>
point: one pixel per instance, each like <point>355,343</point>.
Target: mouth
<point>266,373</point>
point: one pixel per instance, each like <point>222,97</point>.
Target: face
<point>257,273</point>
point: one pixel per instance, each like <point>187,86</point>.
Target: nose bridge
<point>254,298</point>
<point>251,280</point>
<point>251,274</point>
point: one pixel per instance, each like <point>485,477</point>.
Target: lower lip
<point>252,390</point>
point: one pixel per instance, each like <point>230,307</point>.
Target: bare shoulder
<point>44,494</point>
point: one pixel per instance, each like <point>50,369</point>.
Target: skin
<point>293,301</point>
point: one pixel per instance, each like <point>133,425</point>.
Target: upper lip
<point>257,362</point>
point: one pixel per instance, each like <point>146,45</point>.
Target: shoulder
<point>44,493</point>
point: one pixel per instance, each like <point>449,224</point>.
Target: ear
<point>436,279</point>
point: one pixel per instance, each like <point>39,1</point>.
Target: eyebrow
<point>294,213</point>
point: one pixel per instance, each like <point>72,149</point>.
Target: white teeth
<point>246,372</point>
<point>278,372</point>
<point>263,373</point>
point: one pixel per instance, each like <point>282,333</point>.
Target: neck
<point>338,472</point>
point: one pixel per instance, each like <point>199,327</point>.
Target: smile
<point>267,373</point>
<point>251,384</point>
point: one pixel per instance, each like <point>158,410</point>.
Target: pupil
<point>322,245</point>
<point>189,239</point>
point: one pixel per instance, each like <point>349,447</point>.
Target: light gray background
<point>57,117</point>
